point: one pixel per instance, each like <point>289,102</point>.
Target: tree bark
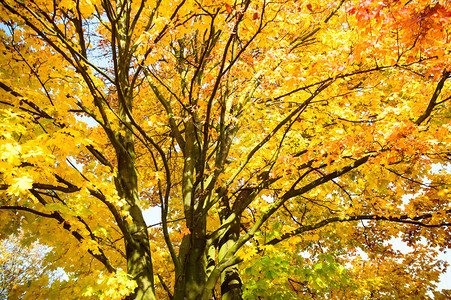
<point>138,254</point>
<point>231,285</point>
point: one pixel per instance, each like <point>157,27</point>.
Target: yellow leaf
<point>20,185</point>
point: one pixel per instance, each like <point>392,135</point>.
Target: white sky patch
<point>152,215</point>
<point>445,278</point>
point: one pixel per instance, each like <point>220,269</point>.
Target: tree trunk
<point>139,266</point>
<point>192,277</point>
<point>231,285</point>
<point>139,260</point>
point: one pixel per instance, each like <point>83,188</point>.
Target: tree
<point>281,139</point>
<point>23,265</point>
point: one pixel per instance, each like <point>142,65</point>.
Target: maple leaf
<point>228,7</point>
<point>185,231</point>
<point>20,185</point>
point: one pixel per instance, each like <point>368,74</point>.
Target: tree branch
<point>402,219</point>
<point>30,210</point>
<point>433,101</point>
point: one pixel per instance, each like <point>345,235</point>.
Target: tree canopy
<point>286,143</point>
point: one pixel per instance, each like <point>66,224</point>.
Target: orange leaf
<point>228,8</point>
<point>185,231</point>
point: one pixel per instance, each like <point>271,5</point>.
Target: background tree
<point>279,139</point>
<point>23,269</point>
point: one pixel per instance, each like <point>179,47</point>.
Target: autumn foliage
<point>284,143</point>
